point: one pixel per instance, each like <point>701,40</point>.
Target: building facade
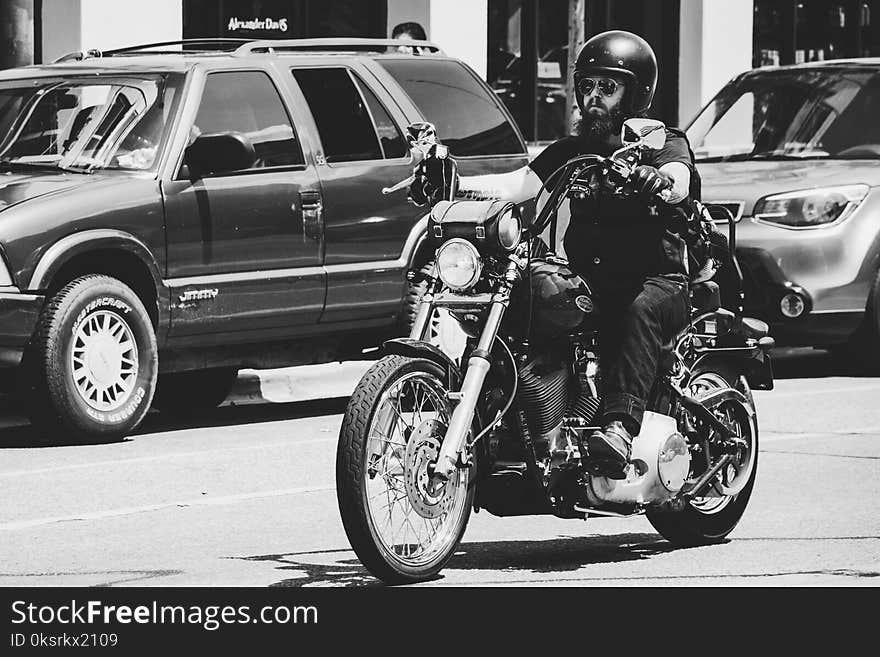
<point>518,46</point>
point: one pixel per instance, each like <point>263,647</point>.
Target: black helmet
<point>620,53</point>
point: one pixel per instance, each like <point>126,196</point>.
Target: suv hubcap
<point>104,360</point>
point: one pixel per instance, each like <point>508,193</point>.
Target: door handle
<point>312,214</point>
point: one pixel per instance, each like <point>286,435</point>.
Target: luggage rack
<point>246,47</point>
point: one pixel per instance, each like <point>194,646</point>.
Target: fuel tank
<point>557,301</point>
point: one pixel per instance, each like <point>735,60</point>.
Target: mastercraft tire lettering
<point>90,370</point>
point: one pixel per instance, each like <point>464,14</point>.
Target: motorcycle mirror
<point>649,132</point>
<point>421,132</point>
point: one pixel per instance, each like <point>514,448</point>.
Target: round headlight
<point>509,230</point>
<point>458,264</point>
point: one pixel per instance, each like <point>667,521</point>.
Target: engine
<point>558,393</point>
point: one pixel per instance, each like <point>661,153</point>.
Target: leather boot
<point>608,451</point>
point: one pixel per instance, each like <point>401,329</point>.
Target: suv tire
<point>89,372</point>
<point>179,393</point>
<point>411,301</point>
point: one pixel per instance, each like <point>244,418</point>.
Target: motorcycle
<point>422,442</point>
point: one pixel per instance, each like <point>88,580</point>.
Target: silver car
<point>794,153</point>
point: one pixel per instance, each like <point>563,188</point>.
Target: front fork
<point>454,442</point>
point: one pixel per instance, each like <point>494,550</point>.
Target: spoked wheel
<point>711,517</point>
<point>403,525</point>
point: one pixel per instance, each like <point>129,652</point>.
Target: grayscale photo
<point>431,294</point>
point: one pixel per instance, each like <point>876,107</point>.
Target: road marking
<point>198,501</point>
<point>854,433</point>
<point>162,457</point>
<point>770,436</point>
<point>774,394</point>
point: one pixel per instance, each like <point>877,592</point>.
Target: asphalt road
<point>244,496</point>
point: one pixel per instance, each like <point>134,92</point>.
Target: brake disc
<point>430,499</point>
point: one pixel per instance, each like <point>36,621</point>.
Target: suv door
<point>245,247</point>
<point>361,150</point>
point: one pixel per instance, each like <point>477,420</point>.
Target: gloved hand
<point>433,178</point>
<point>647,180</point>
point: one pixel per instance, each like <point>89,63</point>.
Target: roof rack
<point>245,47</point>
<point>203,45</point>
<point>347,44</point>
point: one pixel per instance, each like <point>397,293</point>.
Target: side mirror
<point>221,152</point>
<point>649,132</point>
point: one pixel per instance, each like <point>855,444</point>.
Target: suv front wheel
<point>90,370</point>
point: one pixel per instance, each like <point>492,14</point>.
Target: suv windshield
<point>791,114</point>
<point>82,124</point>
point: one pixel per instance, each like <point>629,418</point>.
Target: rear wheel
<point>402,526</point>
<point>711,518</point>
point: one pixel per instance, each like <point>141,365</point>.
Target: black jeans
<point>636,321</point>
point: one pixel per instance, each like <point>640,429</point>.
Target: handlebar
<point>424,149</point>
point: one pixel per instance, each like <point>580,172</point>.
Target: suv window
<point>86,123</point>
<point>468,120</point>
<point>343,119</point>
<point>389,134</point>
<point>248,102</point>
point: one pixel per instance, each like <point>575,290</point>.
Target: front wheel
<point>711,518</point>
<point>89,373</point>
<point>402,526</point>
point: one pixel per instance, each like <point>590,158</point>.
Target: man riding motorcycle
<point>621,244</point>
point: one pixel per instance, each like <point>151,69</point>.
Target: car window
<point>85,123</point>
<point>392,141</point>
<point>795,113</point>
<point>248,102</point>
<point>468,119</point>
<point>342,117</point>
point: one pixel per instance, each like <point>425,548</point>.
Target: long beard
<point>599,127</point>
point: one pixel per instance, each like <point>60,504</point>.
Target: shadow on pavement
<point>26,436</point>
<point>557,555</point>
<point>787,364</point>
<point>808,363</point>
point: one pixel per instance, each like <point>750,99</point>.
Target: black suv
<point>172,212</point>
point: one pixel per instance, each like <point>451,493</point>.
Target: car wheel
<point>90,371</point>
<point>863,348</point>
<point>410,309</point>
<point>183,392</point>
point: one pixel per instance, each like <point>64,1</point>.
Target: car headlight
<point>458,264</point>
<point>509,230</point>
<point>810,208</point>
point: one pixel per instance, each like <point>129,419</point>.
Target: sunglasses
<point>607,86</point>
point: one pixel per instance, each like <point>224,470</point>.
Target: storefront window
<point>284,19</point>
<point>18,47</point>
<point>505,70</point>
<point>536,97</point>
<point>798,31</point>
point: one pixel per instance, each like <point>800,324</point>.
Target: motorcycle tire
<point>709,520</point>
<point>363,450</point>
